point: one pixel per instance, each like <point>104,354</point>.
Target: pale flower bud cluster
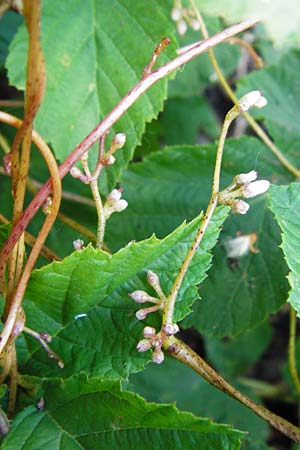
<point>114,203</point>
<point>243,185</point>
<point>78,244</point>
<point>155,340</point>
<point>143,297</point>
<point>250,100</point>
<point>184,17</point>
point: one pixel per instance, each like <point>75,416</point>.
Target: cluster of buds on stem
<point>183,17</point>
<point>106,159</point>
<point>156,340</point>
<point>114,203</point>
<point>252,99</point>
<point>243,185</point>
<point>143,297</point>
<point>118,142</point>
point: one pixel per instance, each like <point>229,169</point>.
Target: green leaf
<point>9,23</point>
<point>280,85</point>
<point>93,59</point>
<point>174,382</point>
<point>92,414</point>
<point>96,285</point>
<point>285,204</point>
<point>282,26</point>
<point>173,185</point>
<point>233,357</point>
<point>194,77</point>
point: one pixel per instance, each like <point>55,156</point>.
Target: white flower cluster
<point>183,17</point>
<point>155,340</point>
<point>244,185</point>
<point>114,203</point>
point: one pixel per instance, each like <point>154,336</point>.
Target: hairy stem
<point>292,352</point>
<point>133,95</point>
<point>183,353</point>
<point>254,125</point>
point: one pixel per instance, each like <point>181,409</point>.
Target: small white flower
<point>141,314</point>
<point>181,27</point>
<point>195,24</point>
<point>253,98</point>
<point>121,205</point>
<point>176,14</point>
<point>240,207</point>
<point>244,178</point>
<point>158,356</point>
<point>255,188</point>
<point>140,296</point>
<point>119,140</point>
<point>143,345</point>
<point>170,329</point>
<point>114,203</point>
<point>114,196</point>
<point>237,247</point>
<point>78,244</point>
<point>149,332</point>
<point>75,172</point>
<point>110,160</point>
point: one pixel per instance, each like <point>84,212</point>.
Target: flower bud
<point>119,140</point>
<point>158,356</point>
<point>141,314</point>
<point>78,244</point>
<point>170,328</point>
<point>7,163</point>
<point>149,332</point>
<point>121,205</point>
<point>152,278</point>
<point>238,246</point>
<point>114,196</point>
<point>75,172</point>
<point>47,206</point>
<point>240,207</point>
<point>253,98</point>
<point>140,296</point>
<point>109,161</point>
<point>143,346</point>
<point>181,27</point>
<point>255,188</point>
<point>244,178</point>
<point>176,14</point>
<point>195,24</point>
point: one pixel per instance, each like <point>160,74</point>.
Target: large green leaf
<point>95,414</point>
<point>190,392</point>
<point>9,23</point>
<point>280,85</point>
<point>174,184</point>
<point>232,357</point>
<point>282,24</point>
<point>95,284</point>
<point>95,51</point>
<point>285,204</point>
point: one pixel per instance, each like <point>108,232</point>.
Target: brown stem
<point>183,353</point>
<point>17,298</point>
<point>109,120</point>
<point>46,252</point>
